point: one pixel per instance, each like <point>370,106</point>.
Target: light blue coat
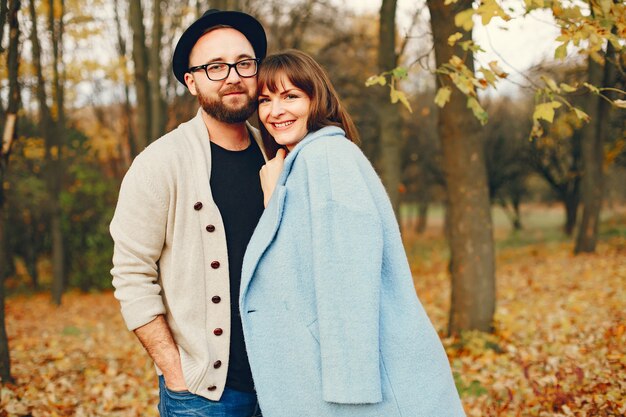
<point>331,320</point>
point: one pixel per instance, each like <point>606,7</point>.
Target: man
<point>186,210</point>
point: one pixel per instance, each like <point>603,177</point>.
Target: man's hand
<point>157,339</point>
<point>269,174</point>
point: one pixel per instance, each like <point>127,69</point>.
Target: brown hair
<point>306,74</point>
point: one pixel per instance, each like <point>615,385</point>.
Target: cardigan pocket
<point>314,330</point>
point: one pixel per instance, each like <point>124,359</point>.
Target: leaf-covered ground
<point>559,348</point>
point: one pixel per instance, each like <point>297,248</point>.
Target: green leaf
<point>443,96</point>
<point>561,52</point>
<point>400,73</point>
<point>375,79</point>
<point>464,19</point>
<point>567,88</point>
<point>545,111</point>
<point>478,110</point>
<point>453,38</point>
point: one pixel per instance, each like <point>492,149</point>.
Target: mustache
<point>232,89</point>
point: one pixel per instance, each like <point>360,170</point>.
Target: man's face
<point>233,99</point>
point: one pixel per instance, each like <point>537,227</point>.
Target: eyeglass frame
<point>230,66</point>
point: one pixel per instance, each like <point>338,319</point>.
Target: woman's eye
<point>292,96</point>
<point>263,100</point>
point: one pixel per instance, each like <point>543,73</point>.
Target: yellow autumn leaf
<point>478,110</point>
<point>551,84</point>
<point>443,96</point>
<point>453,38</point>
<point>490,9</point>
<point>561,51</point>
<point>495,67</point>
<point>397,95</point>
<point>375,79</point>
<point>489,76</point>
<point>464,19</point>
<point>620,103</point>
<point>545,111</point>
<point>456,62</point>
<point>567,88</point>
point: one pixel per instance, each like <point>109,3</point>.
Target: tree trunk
<point>127,147</point>
<point>54,141</point>
<point>571,202</point>
<point>8,136</point>
<point>593,155</point>
<point>422,217</point>
<point>142,86</point>
<point>391,142</point>
<point>157,122</point>
<point>472,262</point>
<point>4,9</point>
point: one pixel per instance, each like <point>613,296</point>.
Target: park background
<point>515,227</point>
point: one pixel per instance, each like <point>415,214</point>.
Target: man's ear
<point>191,84</point>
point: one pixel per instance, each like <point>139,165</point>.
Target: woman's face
<point>284,113</point>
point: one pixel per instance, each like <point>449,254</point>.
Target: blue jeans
<point>185,404</point>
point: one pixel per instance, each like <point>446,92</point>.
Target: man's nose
<point>233,76</point>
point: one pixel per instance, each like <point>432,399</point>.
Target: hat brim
<point>244,23</point>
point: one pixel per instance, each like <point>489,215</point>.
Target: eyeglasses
<point>218,71</point>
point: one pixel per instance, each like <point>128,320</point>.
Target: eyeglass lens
<point>220,70</point>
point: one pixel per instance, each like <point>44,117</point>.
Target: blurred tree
<point>157,105</point>
<point>142,84</point>
<point>9,121</point>
<point>55,139</point>
<point>391,139</point>
<point>53,135</point>
<point>602,72</point>
<point>129,145</point>
<point>422,177</point>
<point>506,155</point>
<point>472,262</point>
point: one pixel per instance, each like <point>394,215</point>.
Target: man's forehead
<point>222,43</point>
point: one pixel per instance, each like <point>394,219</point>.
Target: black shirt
<point>236,190</point>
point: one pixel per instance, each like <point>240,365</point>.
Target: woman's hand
<point>269,174</point>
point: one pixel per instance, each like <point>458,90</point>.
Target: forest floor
<point>558,347</point>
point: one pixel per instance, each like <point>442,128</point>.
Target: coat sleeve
<point>138,231</point>
<point>347,259</point>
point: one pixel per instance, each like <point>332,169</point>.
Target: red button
<point>216,299</point>
<point>217,364</point>
<point>212,388</point>
<point>218,331</point>
<point>215,264</point>
<point>210,228</point>
<point>197,206</point>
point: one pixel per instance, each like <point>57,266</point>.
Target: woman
<point>331,320</point>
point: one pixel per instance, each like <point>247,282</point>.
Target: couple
<point>264,272</point>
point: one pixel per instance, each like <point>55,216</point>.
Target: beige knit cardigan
<point>170,252</point>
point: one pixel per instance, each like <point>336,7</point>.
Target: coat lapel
<point>263,236</point>
<point>270,220</point>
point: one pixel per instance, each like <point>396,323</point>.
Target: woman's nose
<point>277,108</point>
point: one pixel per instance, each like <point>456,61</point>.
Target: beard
<point>235,113</point>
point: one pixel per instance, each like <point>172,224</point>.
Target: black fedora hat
<point>244,23</point>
